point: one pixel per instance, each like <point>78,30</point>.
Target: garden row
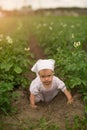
<point>65,40</point>
<point>14,58</point>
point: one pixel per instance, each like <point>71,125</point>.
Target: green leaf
<point>18,70</point>
<point>6,66</point>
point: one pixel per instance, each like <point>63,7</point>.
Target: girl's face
<point>46,76</point>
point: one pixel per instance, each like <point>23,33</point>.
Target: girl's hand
<point>33,106</point>
<point>70,101</point>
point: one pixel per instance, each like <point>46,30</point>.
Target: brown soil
<point>57,111</point>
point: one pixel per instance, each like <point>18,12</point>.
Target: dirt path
<point>56,111</point>
<point>36,49</point>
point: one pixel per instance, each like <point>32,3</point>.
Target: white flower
<point>9,39</point>
<point>50,28</point>
<point>63,25</point>
<point>44,24</point>
<point>72,35</point>
<point>76,44</point>
<point>72,26</point>
<point>26,49</point>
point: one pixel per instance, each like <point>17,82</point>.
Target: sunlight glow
<point>11,4</point>
<point>17,4</point>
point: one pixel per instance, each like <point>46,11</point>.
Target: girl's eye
<point>49,75</point>
<point>46,76</point>
<point>43,76</point>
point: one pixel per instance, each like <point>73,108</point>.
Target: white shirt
<point>46,94</point>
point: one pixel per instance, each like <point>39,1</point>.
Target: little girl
<point>46,86</point>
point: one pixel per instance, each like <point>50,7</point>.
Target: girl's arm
<point>69,96</point>
<point>32,101</point>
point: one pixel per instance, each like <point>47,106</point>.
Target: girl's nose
<point>46,78</point>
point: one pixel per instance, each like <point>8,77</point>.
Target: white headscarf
<point>43,64</point>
